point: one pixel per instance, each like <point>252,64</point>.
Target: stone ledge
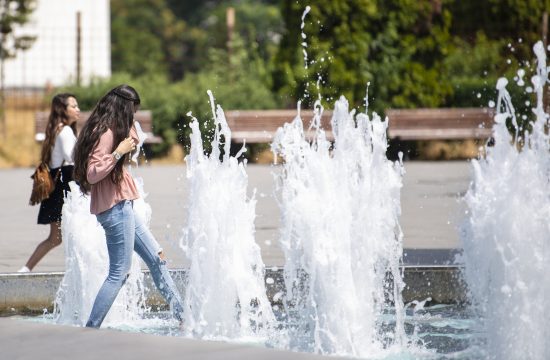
<point>33,293</point>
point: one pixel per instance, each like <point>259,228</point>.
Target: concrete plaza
<point>431,211</point>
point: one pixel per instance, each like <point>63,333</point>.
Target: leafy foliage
<point>237,82</point>
<point>437,53</point>
<point>396,45</point>
<point>14,13</point>
<point>515,21</point>
<point>146,38</point>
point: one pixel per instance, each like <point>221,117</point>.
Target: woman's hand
<point>126,146</point>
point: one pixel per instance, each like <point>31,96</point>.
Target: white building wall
<point>52,59</point>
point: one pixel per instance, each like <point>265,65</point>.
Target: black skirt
<point>50,209</point>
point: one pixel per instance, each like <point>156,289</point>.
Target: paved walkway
<point>431,211</point>
<point>26,340</point>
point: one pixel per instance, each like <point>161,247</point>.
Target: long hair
<point>58,115</point>
<point>115,111</point>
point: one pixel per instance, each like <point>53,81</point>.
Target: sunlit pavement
<point>431,211</point>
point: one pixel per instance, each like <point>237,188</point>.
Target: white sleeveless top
<point>63,148</point>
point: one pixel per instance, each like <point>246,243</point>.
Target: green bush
<point>473,69</point>
<point>238,82</point>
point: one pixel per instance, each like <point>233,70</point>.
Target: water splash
<point>87,264</point>
<point>304,36</point>
<point>341,235</point>
<point>225,295</point>
<point>506,237</point>
<point>141,136</point>
<point>87,260</point>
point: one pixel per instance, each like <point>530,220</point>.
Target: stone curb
<point>32,293</point>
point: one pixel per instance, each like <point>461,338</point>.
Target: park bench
<point>142,116</point>
<point>440,124</point>
<point>259,126</point>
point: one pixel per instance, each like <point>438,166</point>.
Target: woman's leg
<point>53,240</point>
<point>119,229</point>
<point>148,249</point>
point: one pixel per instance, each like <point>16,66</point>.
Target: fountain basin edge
<point>34,293</point>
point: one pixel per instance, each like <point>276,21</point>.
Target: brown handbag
<point>42,184</point>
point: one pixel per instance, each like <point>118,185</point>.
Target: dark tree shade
<point>146,37</point>
<point>511,20</point>
<point>396,45</point>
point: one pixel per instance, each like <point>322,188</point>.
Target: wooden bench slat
<point>406,124</point>
<point>441,123</point>
<point>442,134</point>
<point>260,126</point>
<point>441,112</point>
<point>265,137</point>
<point>444,124</point>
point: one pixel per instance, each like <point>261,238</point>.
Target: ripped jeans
<point>125,233</point>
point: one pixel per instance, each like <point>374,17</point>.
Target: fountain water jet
<point>341,235</point>
<point>87,261</point>
<point>506,237</point>
<point>87,264</point>
<point>225,294</point>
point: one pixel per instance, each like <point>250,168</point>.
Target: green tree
<point>396,45</point>
<point>258,23</point>
<point>518,22</point>
<point>197,12</point>
<point>13,13</point>
<point>491,39</point>
<point>238,81</point>
<point>146,38</point>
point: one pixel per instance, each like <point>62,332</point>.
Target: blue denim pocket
<point>107,217</point>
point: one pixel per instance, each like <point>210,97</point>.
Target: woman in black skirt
<point>57,152</point>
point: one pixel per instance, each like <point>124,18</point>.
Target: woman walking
<point>57,151</point>
<point>102,149</point>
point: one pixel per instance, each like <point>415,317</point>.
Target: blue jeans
<point>124,233</point>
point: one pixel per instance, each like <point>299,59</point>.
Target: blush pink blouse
<point>105,193</point>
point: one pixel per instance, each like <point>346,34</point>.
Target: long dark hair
<point>58,115</point>
<point>114,111</point>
